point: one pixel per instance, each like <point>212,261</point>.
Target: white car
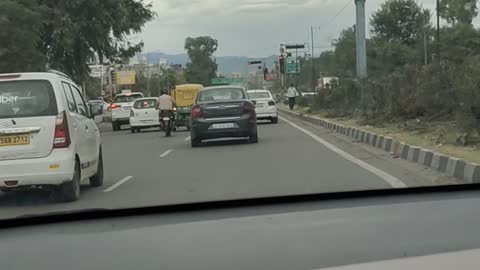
<point>143,114</point>
<point>265,105</point>
<point>121,108</point>
<point>48,138</point>
<point>105,105</point>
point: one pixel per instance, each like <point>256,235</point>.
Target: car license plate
<point>166,118</point>
<point>126,108</point>
<point>222,126</point>
<point>14,140</point>
<point>259,105</point>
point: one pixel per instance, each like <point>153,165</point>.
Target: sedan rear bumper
<point>244,126</point>
<point>134,122</point>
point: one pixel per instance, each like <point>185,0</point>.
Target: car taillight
<point>248,107</point>
<point>197,111</point>
<point>62,134</point>
<point>114,106</point>
<point>132,114</point>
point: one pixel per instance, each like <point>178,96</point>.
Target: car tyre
<point>275,120</point>
<point>115,126</point>
<point>195,141</point>
<point>70,191</point>
<point>253,138</point>
<point>133,130</point>
<point>97,179</point>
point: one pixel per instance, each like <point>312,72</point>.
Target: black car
<point>221,112</point>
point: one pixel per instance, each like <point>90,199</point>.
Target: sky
<point>253,28</point>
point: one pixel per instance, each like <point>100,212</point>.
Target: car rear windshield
<point>145,104</point>
<point>126,99</point>
<point>221,94</point>
<point>255,95</point>
<point>27,99</point>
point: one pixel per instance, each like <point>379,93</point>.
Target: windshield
<point>126,99</point>
<point>268,98</point>
<point>222,94</point>
<point>26,99</point>
<point>256,95</point>
<point>145,104</point>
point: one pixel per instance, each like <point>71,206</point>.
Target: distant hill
<point>226,64</point>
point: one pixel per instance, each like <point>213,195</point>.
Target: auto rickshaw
<point>184,96</point>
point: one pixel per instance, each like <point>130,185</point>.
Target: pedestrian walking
<point>292,94</point>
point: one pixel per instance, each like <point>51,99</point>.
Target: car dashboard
<point>301,235</point>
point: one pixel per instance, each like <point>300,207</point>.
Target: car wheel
<point>70,191</point>
<point>275,120</point>
<point>195,141</point>
<point>115,126</point>
<point>133,130</point>
<point>97,179</point>
<point>253,137</point>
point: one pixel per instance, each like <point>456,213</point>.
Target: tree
<point>67,35</point>
<point>402,20</point>
<point>345,54</point>
<point>203,66</point>
<point>74,33</point>
<point>458,11</point>
<point>20,24</point>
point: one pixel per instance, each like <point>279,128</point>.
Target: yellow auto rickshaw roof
<point>188,86</point>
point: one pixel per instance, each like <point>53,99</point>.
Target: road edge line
<point>390,179</point>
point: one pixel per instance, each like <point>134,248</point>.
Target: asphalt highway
<point>146,169</point>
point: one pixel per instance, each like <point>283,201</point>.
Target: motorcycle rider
<point>165,105</point>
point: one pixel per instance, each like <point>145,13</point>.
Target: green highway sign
<point>227,81</point>
<point>293,67</point>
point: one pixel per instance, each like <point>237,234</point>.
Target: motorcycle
<point>167,122</point>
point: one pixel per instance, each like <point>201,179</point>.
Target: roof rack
<point>59,73</point>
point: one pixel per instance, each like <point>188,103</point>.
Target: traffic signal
<point>113,75</point>
<point>281,61</point>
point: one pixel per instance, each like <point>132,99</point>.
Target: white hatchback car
<point>265,105</point>
<point>48,138</point>
<point>143,114</point>
<point>121,108</point>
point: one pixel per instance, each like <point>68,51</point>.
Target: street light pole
<point>313,62</point>
<point>361,45</point>
<point>438,31</point>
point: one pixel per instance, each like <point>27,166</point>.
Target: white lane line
<point>166,153</point>
<point>116,185</point>
<point>390,179</point>
<point>188,138</point>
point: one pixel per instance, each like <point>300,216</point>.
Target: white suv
<point>48,138</point>
<point>122,104</point>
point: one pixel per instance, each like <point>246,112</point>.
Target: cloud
<point>250,27</point>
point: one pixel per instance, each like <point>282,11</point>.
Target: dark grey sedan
<point>223,112</point>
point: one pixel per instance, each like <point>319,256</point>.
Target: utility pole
<point>313,62</point>
<point>361,46</point>
<point>438,31</point>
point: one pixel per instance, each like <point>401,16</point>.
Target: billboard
<point>97,71</point>
<point>125,77</point>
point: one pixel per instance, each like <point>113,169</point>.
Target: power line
<point>348,2</point>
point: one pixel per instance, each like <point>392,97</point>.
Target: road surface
<point>146,169</point>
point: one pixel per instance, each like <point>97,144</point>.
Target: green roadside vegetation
<point>420,89</point>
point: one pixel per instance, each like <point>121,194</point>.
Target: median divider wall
<point>458,168</point>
